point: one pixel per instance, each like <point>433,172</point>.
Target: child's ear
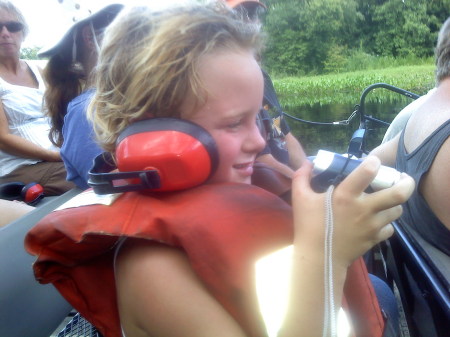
<point>88,37</point>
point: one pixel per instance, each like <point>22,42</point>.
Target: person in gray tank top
<point>422,150</point>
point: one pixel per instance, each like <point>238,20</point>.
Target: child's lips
<point>245,168</point>
<point>244,165</point>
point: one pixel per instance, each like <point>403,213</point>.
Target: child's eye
<point>234,125</point>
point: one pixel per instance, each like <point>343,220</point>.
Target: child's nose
<point>255,141</point>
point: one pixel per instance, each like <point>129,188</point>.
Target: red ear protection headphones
<point>31,193</point>
<point>159,154</point>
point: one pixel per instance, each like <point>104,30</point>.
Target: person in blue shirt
<point>69,90</point>
<point>79,147</point>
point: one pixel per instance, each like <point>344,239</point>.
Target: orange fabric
<point>233,222</point>
<point>362,299</point>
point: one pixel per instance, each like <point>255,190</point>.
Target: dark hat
<point>100,19</point>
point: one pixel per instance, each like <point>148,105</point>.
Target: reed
<point>347,87</point>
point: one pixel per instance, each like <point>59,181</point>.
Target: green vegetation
<point>347,87</point>
<point>332,97</point>
<point>29,53</point>
<point>310,37</point>
<point>360,60</point>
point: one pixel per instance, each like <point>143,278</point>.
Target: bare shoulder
<point>387,152</point>
<point>159,294</point>
<point>140,258</point>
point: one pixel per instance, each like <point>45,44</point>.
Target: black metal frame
<point>357,145</point>
<point>424,290</point>
<point>361,106</point>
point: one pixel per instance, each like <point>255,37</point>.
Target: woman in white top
<point>26,153</point>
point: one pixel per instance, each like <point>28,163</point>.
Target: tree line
<point>324,36</point>
<point>320,36</point>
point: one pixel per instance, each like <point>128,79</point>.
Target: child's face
<point>235,91</point>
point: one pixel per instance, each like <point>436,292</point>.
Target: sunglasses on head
<point>11,26</point>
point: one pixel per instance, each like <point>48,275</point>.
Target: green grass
<point>347,87</point>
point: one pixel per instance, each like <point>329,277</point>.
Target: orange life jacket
<point>223,229</point>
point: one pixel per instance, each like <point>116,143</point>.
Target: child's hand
<point>360,220</point>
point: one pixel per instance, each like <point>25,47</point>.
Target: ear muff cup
<point>31,193</point>
<point>161,154</point>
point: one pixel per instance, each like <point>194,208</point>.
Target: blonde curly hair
<point>148,62</point>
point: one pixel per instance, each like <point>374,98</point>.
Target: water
<point>336,137</point>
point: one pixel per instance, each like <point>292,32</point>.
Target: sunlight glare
<point>273,274</point>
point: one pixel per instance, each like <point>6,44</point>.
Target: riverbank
<point>347,87</point>
<point>330,98</point>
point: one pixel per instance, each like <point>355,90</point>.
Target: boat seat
<point>27,308</point>
<point>421,273</point>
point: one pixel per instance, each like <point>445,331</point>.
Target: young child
<point>181,263</point>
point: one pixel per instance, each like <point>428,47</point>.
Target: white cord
<point>329,325</point>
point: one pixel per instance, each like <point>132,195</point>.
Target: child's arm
<point>360,221</point>
<point>22,147</point>
<point>160,295</point>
